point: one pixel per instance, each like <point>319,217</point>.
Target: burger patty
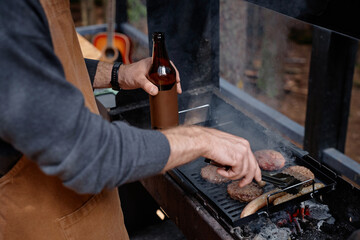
<point>301,173</point>
<point>269,160</point>
<point>244,194</point>
<point>209,173</point>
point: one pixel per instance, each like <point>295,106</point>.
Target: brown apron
<point>38,207</point>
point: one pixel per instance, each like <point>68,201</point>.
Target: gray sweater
<point>43,116</point>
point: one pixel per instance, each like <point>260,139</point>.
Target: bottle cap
<point>158,35</point>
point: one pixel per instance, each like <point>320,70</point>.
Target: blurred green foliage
<point>136,10</point>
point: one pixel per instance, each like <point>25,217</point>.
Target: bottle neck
<point>159,50</point>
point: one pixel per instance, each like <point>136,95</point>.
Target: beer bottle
<point>163,106</point>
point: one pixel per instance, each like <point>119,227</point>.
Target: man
<point>68,160</point>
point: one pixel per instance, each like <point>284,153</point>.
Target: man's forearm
<point>103,75</point>
<point>186,144</point>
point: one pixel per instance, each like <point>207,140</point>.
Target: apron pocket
<point>98,218</point>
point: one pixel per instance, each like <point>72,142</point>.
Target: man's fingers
<point>255,167</point>
<point>177,72</point>
<point>235,152</point>
<point>258,174</point>
<point>228,174</point>
<point>178,88</point>
<point>231,174</point>
<point>246,180</point>
<point>149,87</point>
<point>148,62</point>
<point>178,84</point>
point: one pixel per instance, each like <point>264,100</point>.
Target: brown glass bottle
<point>163,106</point>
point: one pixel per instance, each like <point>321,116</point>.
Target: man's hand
<point>189,143</point>
<point>233,151</point>
<point>132,76</point>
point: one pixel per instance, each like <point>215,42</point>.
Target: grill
<point>222,115</point>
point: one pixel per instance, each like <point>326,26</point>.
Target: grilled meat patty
<point>301,173</point>
<point>244,194</point>
<point>269,160</point>
<point>209,173</point>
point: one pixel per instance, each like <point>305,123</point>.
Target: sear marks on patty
<point>244,194</point>
<point>209,173</point>
<point>269,160</point>
<point>301,173</point>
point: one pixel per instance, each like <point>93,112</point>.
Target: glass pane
<point>267,55</point>
<point>352,147</point>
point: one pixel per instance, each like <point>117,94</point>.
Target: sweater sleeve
<point>44,117</point>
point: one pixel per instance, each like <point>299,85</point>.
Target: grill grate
<point>214,197</point>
